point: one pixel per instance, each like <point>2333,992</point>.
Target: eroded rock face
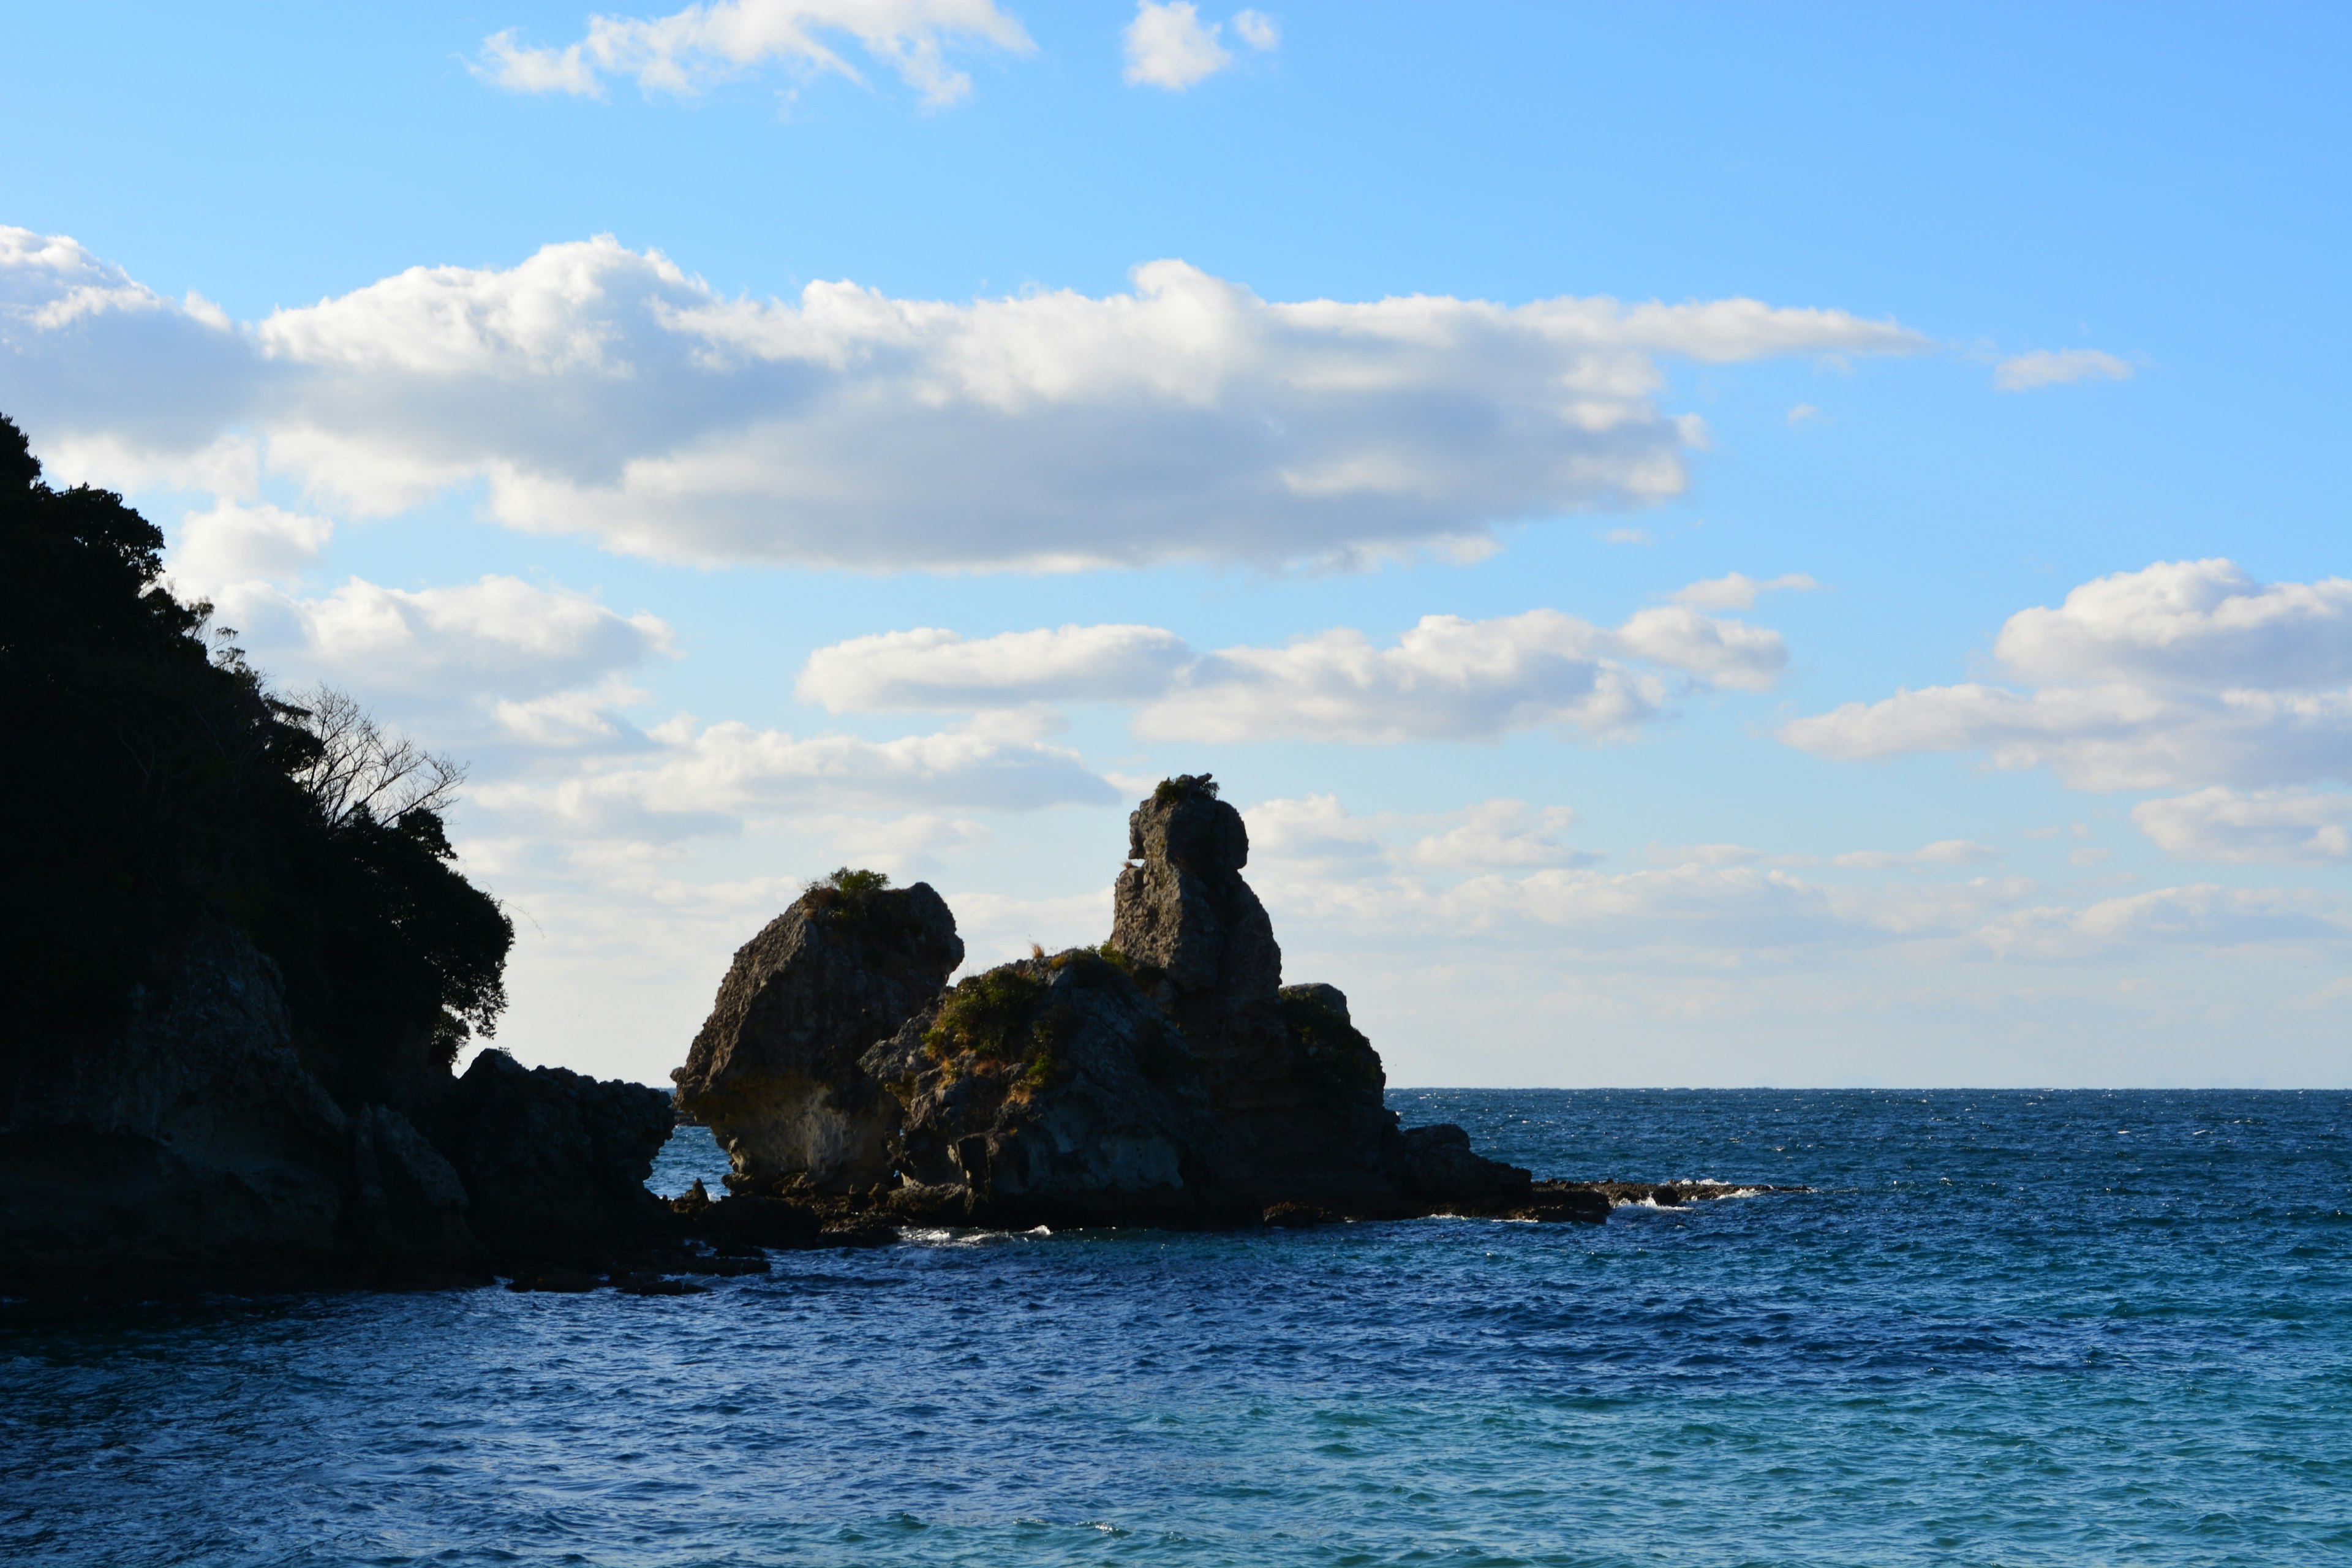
<point>1298,1091</point>
<point>407,1211</point>
<point>1051,1091</point>
<point>551,1158</point>
<point>774,1073</point>
<point>193,1137</point>
<point>1200,939</point>
<point>193,1150</point>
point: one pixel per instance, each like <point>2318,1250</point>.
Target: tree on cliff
<point>153,783</point>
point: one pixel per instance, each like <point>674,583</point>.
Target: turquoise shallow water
<point>2012,1328</point>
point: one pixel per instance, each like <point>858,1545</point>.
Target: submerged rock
<point>774,1072</point>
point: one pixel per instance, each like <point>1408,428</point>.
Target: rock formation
<point>1167,1077</point>
<point>1053,1091</point>
<point>238,960</point>
<point>193,1149</point>
<point>774,1073</point>
<point>550,1160</point>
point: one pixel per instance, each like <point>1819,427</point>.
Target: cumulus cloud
<point>2184,675</point>
<point>2203,624</point>
<point>1315,859</point>
<point>710,779</point>
<point>236,543</point>
<point>499,636</point>
<point>1737,591</point>
<point>2202,916</point>
<point>1168,45</point>
<point>1500,833</point>
<point>2055,367</point>
<point>931,667</point>
<point>600,390</point>
<point>689,50</point>
<point>2287,828</point>
<point>1446,678</point>
<point>1943,852</point>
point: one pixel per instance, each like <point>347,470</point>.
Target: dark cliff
<point>239,959</point>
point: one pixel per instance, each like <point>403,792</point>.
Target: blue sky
<point>2045,303</point>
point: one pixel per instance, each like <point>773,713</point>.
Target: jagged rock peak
<point>773,1072</point>
<point>1186,917</point>
<point>1185,823</point>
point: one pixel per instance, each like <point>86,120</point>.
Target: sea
<point>2003,1328</point>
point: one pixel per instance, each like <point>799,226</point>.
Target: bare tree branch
<point>362,767</point>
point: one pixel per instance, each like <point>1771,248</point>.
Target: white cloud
<point>1737,591</point>
<point>1805,413</point>
<point>1314,830</point>
<point>1257,29</point>
<point>2201,624</point>
<point>708,780</point>
<point>1702,855</point>
<point>96,359</point>
<point>1168,45</point>
<point>1725,653</point>
<point>1446,678</point>
<point>499,636</point>
<point>235,543</point>
<point>2055,367</point>
<point>1943,852</point>
<point>703,44</point>
<point>598,390</point>
<point>1500,833</point>
<point>583,717</point>
<point>2201,916</point>
<point>908,846</point>
<point>2189,674</point>
<point>929,668</point>
<point>1314,860</point>
<point>2291,827</point>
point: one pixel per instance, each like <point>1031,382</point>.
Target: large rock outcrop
<point>1298,1090</point>
<point>774,1073</point>
<point>1167,1077</point>
<point>193,1147</point>
<point>552,1160</point>
<point>1051,1091</point>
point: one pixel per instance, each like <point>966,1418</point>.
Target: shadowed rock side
<point>552,1160</point>
<point>239,959</point>
<point>1051,1091</point>
<point>1167,1077</point>
<point>193,1150</point>
<point>774,1073</point>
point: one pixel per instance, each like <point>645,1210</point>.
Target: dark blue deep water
<point>2011,1327</point>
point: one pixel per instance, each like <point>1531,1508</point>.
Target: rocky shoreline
<point>242,962</point>
<point>1167,1077</point>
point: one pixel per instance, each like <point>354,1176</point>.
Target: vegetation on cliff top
<point>155,784</point>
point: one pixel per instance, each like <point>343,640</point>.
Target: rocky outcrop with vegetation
<point>241,961</point>
<point>1166,1078</point>
<point>774,1072</point>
